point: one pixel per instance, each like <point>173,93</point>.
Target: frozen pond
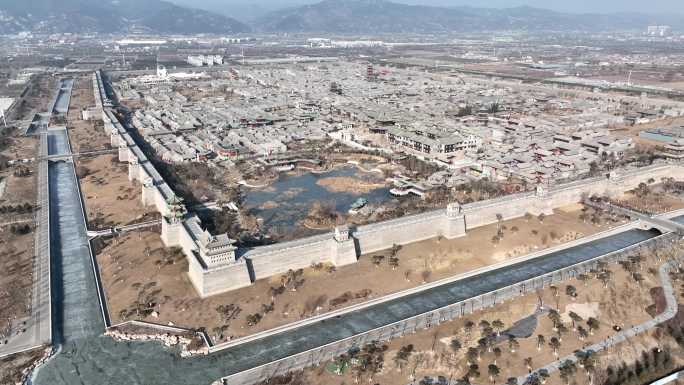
<point>287,201</point>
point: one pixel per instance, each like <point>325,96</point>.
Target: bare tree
<point>540,341</point>
<point>554,344</point>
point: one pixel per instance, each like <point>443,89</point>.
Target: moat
<point>96,359</point>
<point>86,357</point>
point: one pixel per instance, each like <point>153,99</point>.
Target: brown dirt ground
<point>123,263</point>
<point>84,134</point>
<point>633,131</point>
<point>655,202</point>
<point>623,303</point>
<point>110,197</point>
<point>38,98</point>
<point>16,251</point>
<point>21,147</point>
<point>12,366</point>
<point>18,190</point>
<point>348,184</point>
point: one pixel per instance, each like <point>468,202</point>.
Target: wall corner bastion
<point>343,247</point>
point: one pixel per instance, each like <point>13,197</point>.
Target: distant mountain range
<point>380,16</point>
<point>93,16</point>
<point>328,16</point>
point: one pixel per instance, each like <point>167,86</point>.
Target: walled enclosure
<point>216,266</point>
<point>450,223</point>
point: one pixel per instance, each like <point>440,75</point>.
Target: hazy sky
<point>602,6</point>
<point>579,6</point>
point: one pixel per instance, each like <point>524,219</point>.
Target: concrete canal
<point>86,358</point>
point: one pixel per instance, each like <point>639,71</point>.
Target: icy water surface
<point>100,360</point>
<point>287,201</point>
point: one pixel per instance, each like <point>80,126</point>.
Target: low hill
<point>110,16</point>
<point>381,16</point>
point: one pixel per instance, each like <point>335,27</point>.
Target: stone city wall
<point>277,259</point>
<point>156,192</point>
<point>383,235</point>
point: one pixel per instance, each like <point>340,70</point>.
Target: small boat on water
<point>285,168</point>
<point>357,205</point>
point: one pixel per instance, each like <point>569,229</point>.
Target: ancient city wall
<point>277,259</point>
<point>222,279</point>
<point>515,206</point>
<point>402,231</point>
<point>156,192</point>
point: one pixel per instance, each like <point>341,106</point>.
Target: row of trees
<point>369,360</point>
<point>480,189</point>
<point>290,281</point>
<point>490,333</point>
<point>226,314</point>
<point>500,228</point>
<point>652,364</point>
<point>468,109</point>
<point>21,229</point>
<point>25,208</point>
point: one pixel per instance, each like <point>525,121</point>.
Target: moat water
<point>285,203</point>
<point>86,357</point>
<point>95,359</point>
